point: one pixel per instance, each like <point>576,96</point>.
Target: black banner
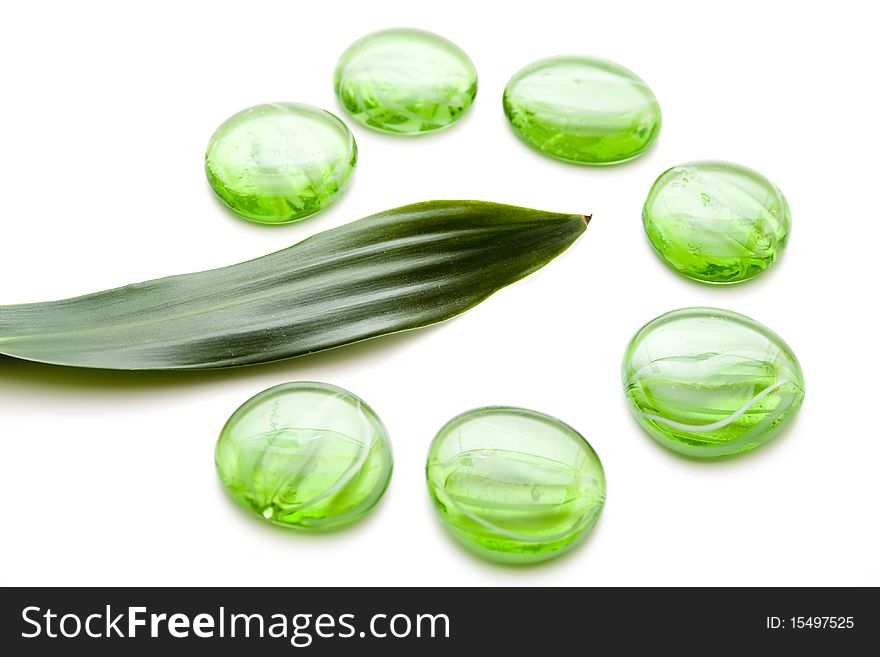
<point>400,621</point>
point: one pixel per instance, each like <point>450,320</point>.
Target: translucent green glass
<point>405,81</point>
<point>706,382</point>
<point>306,455</point>
<point>716,222</point>
<point>582,109</point>
<point>280,162</point>
<point>514,485</point>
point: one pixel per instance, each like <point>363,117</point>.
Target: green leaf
<point>396,270</point>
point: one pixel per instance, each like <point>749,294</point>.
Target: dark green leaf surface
<point>396,270</point>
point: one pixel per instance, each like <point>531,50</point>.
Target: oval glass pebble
<point>405,81</point>
<point>583,110</point>
<point>280,162</point>
<point>306,455</point>
<point>515,485</point>
<point>707,382</point>
<point>716,222</point>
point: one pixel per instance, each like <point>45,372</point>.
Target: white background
<point>109,478</point>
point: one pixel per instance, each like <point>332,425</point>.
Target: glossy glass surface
<point>716,222</point>
<point>583,110</point>
<point>306,455</point>
<point>280,162</point>
<point>515,485</point>
<point>405,81</point>
<point>707,382</point>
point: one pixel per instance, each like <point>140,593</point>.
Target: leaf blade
<point>393,271</point>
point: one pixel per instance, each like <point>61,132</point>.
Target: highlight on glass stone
<point>582,109</point>
<point>405,81</point>
<point>706,382</point>
<point>306,455</point>
<point>280,162</point>
<point>716,222</point>
<point>514,485</point>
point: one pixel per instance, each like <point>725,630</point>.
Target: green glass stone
<point>716,222</point>
<point>306,455</point>
<point>405,81</point>
<point>280,162</point>
<point>514,485</point>
<point>582,109</point>
<point>706,382</point>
